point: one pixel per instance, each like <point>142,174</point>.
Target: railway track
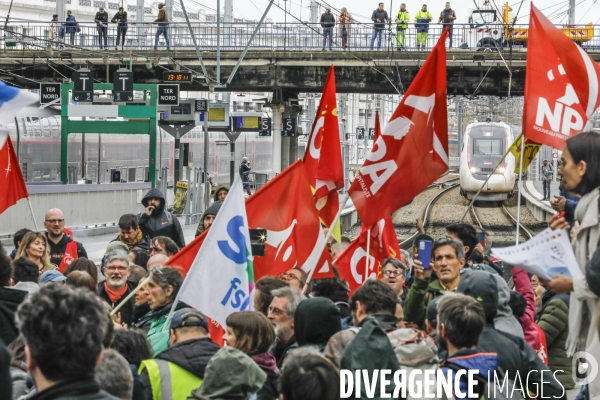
<point>477,219</point>
<point>523,229</point>
<point>406,244</point>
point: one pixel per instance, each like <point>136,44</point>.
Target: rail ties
<point>514,221</point>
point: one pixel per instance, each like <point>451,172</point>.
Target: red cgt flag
<point>11,179</point>
<point>561,84</point>
<point>412,151</point>
<point>323,157</point>
<point>352,262</point>
<point>285,208</point>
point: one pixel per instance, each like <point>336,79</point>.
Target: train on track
<point>38,147</point>
<point>484,145</point>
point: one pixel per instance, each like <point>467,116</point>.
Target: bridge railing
<point>24,34</point>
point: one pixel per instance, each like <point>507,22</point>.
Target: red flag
<point>561,84</point>
<point>285,208</point>
<point>352,262</point>
<point>377,130</point>
<point>412,151</point>
<point>323,157</point>
<point>11,178</point>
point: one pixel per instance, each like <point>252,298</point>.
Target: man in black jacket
<point>10,299</point>
<point>101,21</point>
<point>116,286</point>
<point>156,221</point>
<point>517,358</point>
<point>189,348</point>
<point>327,23</point>
<point>63,249</point>
<point>121,19</point>
<point>379,18</point>
<point>245,169</point>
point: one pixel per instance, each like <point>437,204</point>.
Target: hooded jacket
<point>266,362</point>
<point>161,222</point>
<point>515,355</point>
<point>244,377</point>
<point>469,359</point>
<point>225,188</point>
<point>553,318</point>
<point>504,320</point>
<point>159,338</point>
<point>316,320</point>
<point>10,299</point>
<point>192,355</point>
<point>57,251</point>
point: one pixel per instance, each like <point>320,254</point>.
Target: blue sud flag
<point>221,278</point>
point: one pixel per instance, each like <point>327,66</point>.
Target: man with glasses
<point>295,277</point>
<point>393,273</point>
<point>116,286</point>
<point>63,249</point>
<point>281,313</point>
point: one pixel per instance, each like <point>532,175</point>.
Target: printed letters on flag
<point>412,151</point>
<point>530,151</point>
<point>561,84</point>
<point>285,208</point>
<point>11,179</point>
<point>352,262</point>
<point>221,278</point>
<point>323,157</point>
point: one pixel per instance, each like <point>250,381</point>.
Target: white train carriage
<point>484,144</point>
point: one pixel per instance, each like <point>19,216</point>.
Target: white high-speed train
<point>484,144</point>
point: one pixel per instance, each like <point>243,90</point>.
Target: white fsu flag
<point>221,279</point>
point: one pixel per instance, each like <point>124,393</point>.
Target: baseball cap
<point>52,276</point>
<point>187,317</point>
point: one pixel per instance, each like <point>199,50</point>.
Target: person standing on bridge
<point>422,20</point>
<point>101,21</point>
<point>547,174</point>
<point>402,19</point>
<point>244,171</point>
<point>121,19</point>
<point>344,26</point>
<point>327,23</point>
<point>163,26</point>
<point>379,18</point>
<point>71,27</point>
<point>447,18</point>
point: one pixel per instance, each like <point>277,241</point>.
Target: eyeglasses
<point>55,221</point>
<point>115,268</point>
<point>276,311</point>
<point>394,272</point>
<point>287,277</point>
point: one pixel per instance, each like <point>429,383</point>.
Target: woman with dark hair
<point>83,264</point>
<point>133,345</point>
<point>580,171</point>
<point>262,292</point>
<point>81,279</point>
<point>139,257</point>
<point>309,377</point>
<point>253,334</point>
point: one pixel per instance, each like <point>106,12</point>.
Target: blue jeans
<point>376,32</point>
<point>328,32</point>
<point>162,30</point>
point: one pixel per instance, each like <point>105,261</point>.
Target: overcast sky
<point>586,10</point>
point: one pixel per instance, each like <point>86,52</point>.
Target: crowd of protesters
<point>63,338</point>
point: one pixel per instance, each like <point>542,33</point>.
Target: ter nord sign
<point>49,92</point>
<point>168,95</point>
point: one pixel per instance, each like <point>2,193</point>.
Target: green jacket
<point>404,18</point>
<point>157,336</point>
<point>415,304</point>
<point>554,321</point>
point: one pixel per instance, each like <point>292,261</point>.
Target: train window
<point>487,147</point>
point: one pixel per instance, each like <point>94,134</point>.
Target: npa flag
<point>11,179</point>
<point>285,208</point>
<point>529,152</point>
<point>352,263</point>
<point>561,84</point>
<point>220,280</point>
<point>412,151</point>
<point>323,157</point>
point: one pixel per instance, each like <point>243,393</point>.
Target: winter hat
<point>316,320</point>
<point>212,209</point>
<point>481,286</point>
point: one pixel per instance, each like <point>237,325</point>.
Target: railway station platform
<point>533,195</point>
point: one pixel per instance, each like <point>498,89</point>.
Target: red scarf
<point>114,296</point>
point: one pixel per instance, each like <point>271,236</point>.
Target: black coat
<point>101,18</point>
<point>192,355</point>
<point>244,170</point>
<point>122,19</point>
<point>57,250</point>
<point>127,310</point>
<point>5,379</point>
<point>160,223</point>
<point>78,390</point>
<point>327,20</point>
<point>10,299</point>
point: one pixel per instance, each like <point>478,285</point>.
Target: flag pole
<point>32,215</point>
<point>520,186</point>
<point>327,237</point>
<point>368,253</point>
<point>129,296</point>
<point>485,182</point>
